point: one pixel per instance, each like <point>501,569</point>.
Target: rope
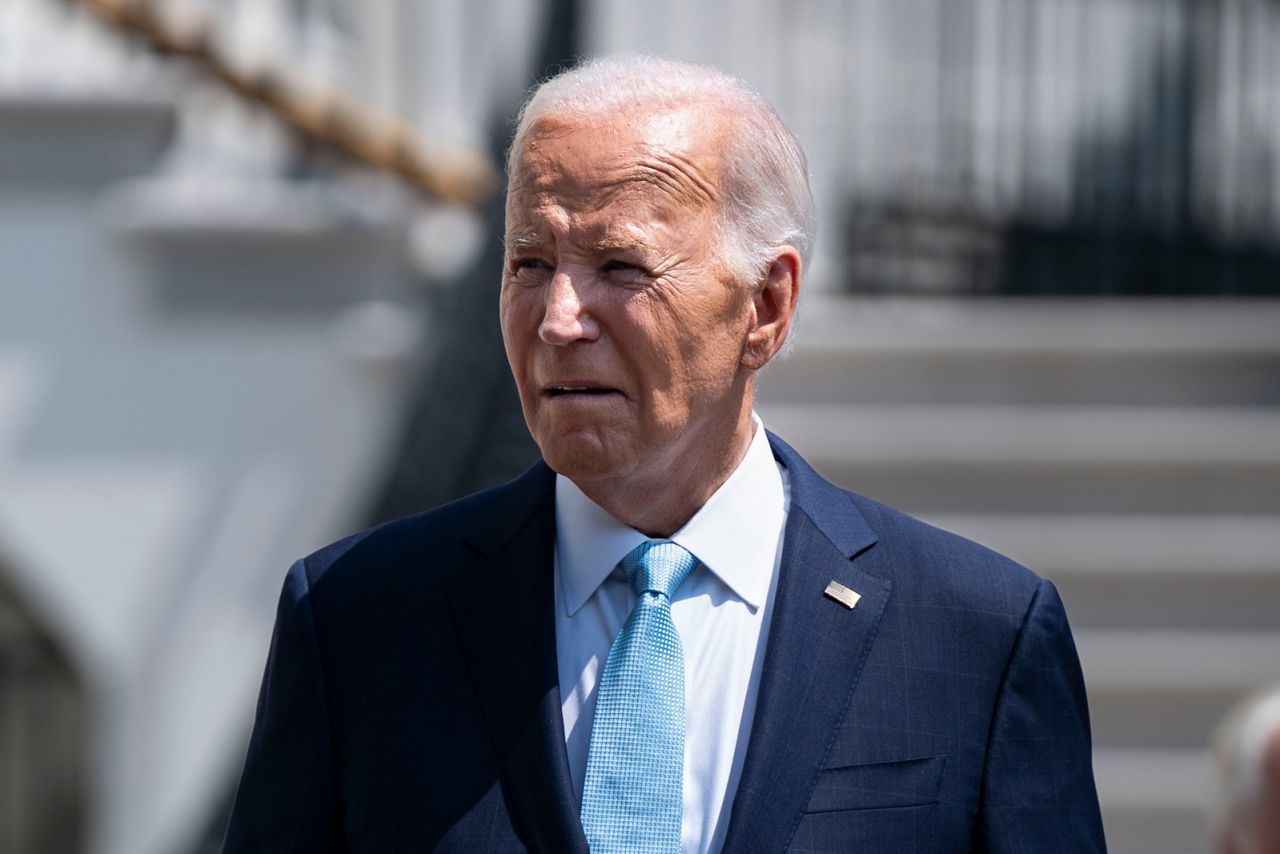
<point>320,114</point>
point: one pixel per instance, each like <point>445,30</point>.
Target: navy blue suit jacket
<point>411,702</point>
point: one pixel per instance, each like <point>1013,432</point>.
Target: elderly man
<point>670,633</point>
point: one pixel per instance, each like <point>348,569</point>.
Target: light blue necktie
<point>632,798</point>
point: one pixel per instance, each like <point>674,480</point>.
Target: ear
<point>774,304</point>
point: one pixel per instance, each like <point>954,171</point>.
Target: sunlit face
<point>624,329</point>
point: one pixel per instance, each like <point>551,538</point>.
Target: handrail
<point>319,113</point>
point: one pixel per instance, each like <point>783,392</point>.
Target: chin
<point>581,457</point>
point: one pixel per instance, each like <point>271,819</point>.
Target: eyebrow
<point>523,240</point>
<point>609,243</point>
<point>617,243</point>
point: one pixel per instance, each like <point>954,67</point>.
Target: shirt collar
<point>735,534</point>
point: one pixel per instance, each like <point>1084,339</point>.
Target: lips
<point>576,389</point>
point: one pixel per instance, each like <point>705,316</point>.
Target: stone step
<point>58,139</point>
<point>1068,435</point>
<point>1151,661</point>
<point>1127,352</point>
<point>1134,571</point>
<point>1043,459</point>
<point>1154,801</point>
<point>259,247</point>
<point>1168,689</point>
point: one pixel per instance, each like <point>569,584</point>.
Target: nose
<point>565,318</point>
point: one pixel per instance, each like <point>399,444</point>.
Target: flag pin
<point>846,597</point>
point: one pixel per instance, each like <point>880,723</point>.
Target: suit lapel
<point>814,655</point>
<point>503,608</point>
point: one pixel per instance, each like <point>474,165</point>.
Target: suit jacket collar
<point>829,507</point>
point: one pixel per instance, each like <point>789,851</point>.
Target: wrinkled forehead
<point>673,156</point>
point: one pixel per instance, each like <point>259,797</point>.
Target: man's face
<point>623,327</point>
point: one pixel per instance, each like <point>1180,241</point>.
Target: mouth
<point>577,390</point>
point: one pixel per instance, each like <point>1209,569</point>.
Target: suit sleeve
<point>286,800</point>
<point>1038,792</point>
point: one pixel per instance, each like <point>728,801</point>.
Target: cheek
<point>692,342</point>
<point>519,323</point>
<point>714,350</point>
<point>691,374</point>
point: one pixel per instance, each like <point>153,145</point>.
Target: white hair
<point>1240,747</point>
<point>767,201</point>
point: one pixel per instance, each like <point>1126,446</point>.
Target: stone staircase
<point>1129,451</point>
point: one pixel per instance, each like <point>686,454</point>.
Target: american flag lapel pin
<point>846,597</point>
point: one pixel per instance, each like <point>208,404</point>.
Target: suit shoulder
<point>428,542</point>
<point>926,565</point>
<point>928,562</point>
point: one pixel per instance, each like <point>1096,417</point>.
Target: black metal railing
<point>1066,146</point>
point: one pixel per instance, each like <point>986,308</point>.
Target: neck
<point>659,501</point>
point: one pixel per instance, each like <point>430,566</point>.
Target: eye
<point>616,266</point>
<point>528,263</point>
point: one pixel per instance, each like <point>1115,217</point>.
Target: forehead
<point>669,163</point>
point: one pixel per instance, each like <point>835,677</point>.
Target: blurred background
<point>248,303</point>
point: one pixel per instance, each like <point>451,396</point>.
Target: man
<point>670,634</point>
<point>1247,754</point>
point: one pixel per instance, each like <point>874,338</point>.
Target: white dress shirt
<point>721,611</point>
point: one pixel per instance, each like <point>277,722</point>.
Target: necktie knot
<point>658,566</point>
